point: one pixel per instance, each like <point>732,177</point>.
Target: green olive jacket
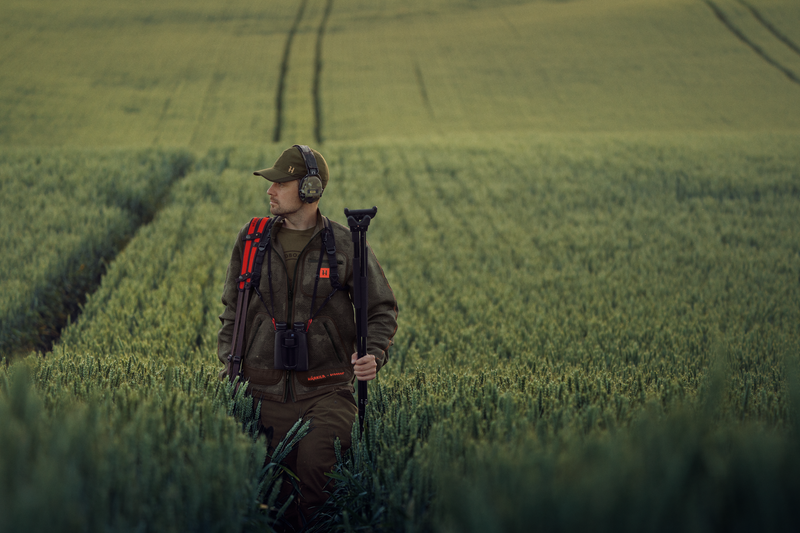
<point>332,335</point>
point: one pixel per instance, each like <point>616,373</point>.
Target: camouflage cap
<point>291,166</point>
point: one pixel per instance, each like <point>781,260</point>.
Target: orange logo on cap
<point>291,170</point>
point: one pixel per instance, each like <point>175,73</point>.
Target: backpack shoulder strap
<point>261,246</point>
<point>256,235</point>
<point>255,232</point>
<point>329,242</point>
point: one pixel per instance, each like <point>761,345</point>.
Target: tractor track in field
<point>318,71</point>
<point>66,292</point>
<point>316,82</point>
<point>209,97</point>
<point>161,117</point>
<point>508,23</point>
<point>423,92</point>
<point>284,71</point>
<point>770,28</point>
<point>722,17</point>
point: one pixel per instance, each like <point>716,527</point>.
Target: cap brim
<point>274,175</point>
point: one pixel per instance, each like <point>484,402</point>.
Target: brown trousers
<point>332,415</point>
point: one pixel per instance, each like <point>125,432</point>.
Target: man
<point>297,278</point>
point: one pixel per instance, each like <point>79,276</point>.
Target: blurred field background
<point>203,74</point>
<point>587,210</point>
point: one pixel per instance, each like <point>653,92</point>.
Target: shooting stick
<point>358,220</point>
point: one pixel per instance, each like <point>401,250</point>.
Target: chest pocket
<point>308,273</point>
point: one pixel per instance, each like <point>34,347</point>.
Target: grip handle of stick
<point>360,213</point>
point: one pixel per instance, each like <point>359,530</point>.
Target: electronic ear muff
<point>310,186</point>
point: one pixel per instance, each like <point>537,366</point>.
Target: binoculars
<point>291,347</point>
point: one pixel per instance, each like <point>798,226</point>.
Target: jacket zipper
<point>287,390</point>
<point>289,373</point>
<point>294,278</point>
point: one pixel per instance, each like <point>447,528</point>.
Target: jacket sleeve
<point>381,311</point>
<point>230,293</point>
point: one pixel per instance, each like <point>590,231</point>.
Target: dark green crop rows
<point>64,215</point>
<point>596,333</point>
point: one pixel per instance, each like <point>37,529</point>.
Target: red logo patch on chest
<point>325,272</point>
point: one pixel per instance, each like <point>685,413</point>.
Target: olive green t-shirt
<point>293,241</point>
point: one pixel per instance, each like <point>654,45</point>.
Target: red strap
<point>255,245</point>
<point>247,246</point>
<point>256,226</point>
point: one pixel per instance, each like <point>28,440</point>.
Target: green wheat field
<point>589,211</point>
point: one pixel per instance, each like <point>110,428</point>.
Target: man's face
<point>284,199</point>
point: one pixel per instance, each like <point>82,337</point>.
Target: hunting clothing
<point>332,334</point>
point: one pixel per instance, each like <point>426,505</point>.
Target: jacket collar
<point>279,224</point>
